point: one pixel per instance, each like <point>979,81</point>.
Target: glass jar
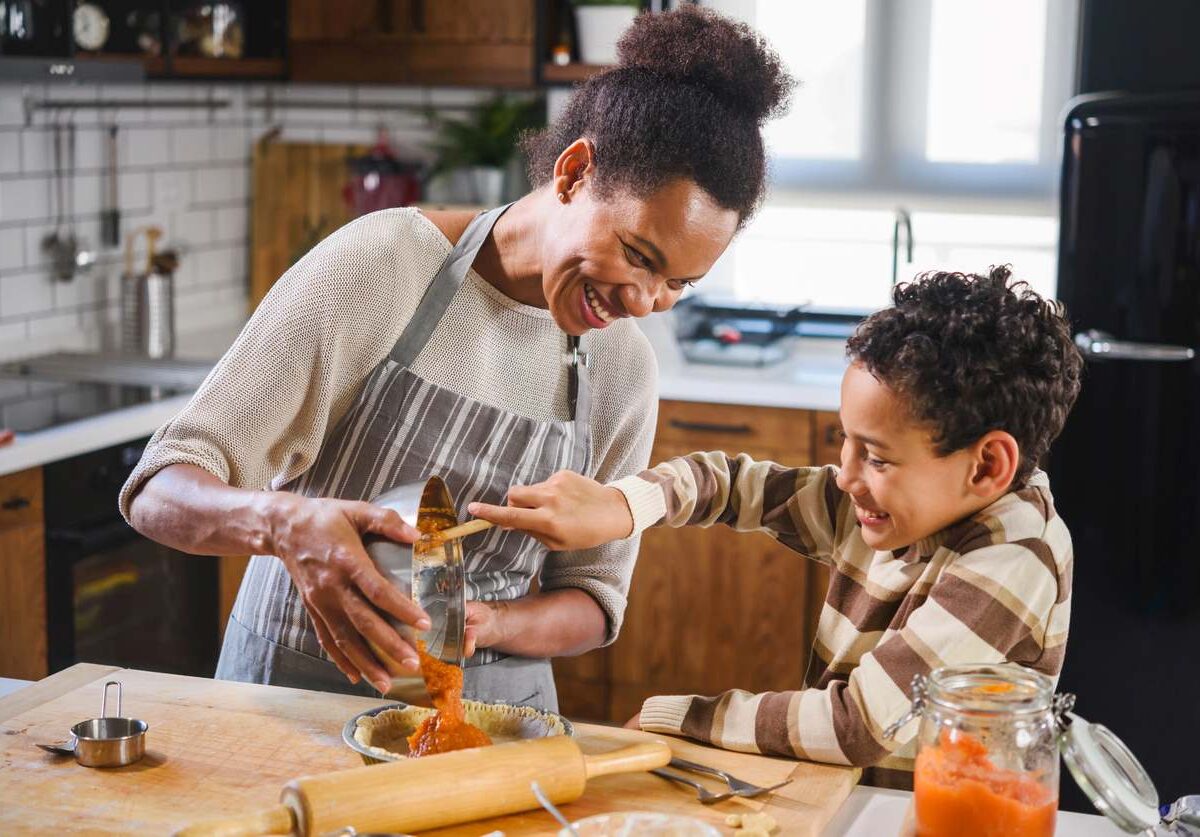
<point>987,753</point>
<point>987,757</point>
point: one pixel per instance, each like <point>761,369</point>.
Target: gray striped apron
<point>400,429</point>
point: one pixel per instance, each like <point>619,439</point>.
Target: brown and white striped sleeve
<point>989,605</point>
<point>800,507</point>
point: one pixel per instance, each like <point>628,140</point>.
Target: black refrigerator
<point>1126,471</point>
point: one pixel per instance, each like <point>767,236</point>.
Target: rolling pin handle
<point>274,820</point>
<point>645,756</point>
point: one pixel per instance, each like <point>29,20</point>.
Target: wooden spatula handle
<point>632,759</point>
<point>274,820</point>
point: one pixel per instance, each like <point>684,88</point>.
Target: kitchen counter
<point>810,378</point>
<point>217,749</point>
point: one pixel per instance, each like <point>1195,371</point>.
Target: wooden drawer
<point>827,439</point>
<point>690,426</point>
<point>21,498</point>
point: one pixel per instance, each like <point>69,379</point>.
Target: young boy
<point>940,532</point>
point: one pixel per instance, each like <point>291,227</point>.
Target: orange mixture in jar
<point>446,729</point>
<point>960,791</point>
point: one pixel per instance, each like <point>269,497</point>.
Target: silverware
<point>705,796</point>
<point>552,808</point>
<point>738,786</point>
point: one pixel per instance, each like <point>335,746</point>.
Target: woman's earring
<point>562,197</point>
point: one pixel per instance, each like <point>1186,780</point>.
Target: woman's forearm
<point>189,509</point>
<point>557,623</point>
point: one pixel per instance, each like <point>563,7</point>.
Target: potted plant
<point>599,24</point>
<point>477,150</point>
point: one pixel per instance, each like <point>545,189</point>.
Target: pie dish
<point>381,734</point>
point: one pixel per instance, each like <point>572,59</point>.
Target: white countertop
<point>873,812</point>
<point>810,379</point>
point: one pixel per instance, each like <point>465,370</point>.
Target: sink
<point>130,370</point>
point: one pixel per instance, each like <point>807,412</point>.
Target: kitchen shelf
<point>570,73</point>
<point>236,68</point>
<point>189,67</point>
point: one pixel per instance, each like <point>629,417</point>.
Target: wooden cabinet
<point>482,42</point>
<point>709,609</point>
<point>22,577</point>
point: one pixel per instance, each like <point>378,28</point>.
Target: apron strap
<point>444,286</point>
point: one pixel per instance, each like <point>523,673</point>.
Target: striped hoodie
<point>993,587</point>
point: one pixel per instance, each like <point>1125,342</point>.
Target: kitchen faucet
<point>902,219</point>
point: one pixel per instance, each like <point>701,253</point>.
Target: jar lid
<point>1109,774</point>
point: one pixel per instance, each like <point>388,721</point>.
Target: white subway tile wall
<point>186,170</point>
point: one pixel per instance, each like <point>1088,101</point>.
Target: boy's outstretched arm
<point>993,604</point>
<point>798,506</point>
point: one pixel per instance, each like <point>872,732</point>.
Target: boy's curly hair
<point>972,354</point>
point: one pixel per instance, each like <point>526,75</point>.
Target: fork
<point>736,785</point>
<point>705,796</point>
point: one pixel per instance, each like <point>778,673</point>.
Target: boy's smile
<point>902,489</point>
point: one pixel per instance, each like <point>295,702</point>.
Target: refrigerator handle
<point>1101,345</point>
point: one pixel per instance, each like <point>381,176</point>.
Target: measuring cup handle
<point>104,699</point>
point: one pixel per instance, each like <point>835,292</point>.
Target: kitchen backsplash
<point>186,170</point>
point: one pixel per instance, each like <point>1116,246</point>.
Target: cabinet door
<point>22,577</point>
<point>468,42</point>
<point>712,609</point>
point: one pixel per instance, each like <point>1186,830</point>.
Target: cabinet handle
<point>707,427</point>
<point>14,503</point>
<point>418,16</point>
<point>832,434</point>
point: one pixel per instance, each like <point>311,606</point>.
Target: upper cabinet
<point>437,42</point>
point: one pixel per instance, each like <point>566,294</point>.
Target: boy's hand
<point>567,511</point>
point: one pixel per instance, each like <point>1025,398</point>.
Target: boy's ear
<point>997,457</point>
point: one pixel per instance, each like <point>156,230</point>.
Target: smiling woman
<point>490,350</point>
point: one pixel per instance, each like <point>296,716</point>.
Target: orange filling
<point>447,728</point>
<point>960,791</point>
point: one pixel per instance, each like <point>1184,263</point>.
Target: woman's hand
<point>320,543</point>
<point>484,626</point>
<point>567,511</point>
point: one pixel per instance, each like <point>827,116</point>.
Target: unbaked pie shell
<point>385,735</point>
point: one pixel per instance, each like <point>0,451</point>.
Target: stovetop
<point>28,405</point>
<point>46,391</point>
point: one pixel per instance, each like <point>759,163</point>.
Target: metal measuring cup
<point>105,741</point>
<point>432,575</point>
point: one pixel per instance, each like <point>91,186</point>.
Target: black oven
<point>113,596</point>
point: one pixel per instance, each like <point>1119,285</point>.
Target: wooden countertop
<point>218,749</point>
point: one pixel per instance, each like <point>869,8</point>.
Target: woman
<point>413,343</point>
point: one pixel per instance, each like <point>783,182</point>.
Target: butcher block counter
<point>218,749</point>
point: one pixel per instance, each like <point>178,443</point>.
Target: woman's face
<point>624,256</point>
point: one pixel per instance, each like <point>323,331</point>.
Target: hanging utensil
<point>110,216</point>
<point>58,245</point>
<point>84,257</point>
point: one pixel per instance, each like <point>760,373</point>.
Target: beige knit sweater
<point>262,414</point>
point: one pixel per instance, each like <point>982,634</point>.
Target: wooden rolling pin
<point>421,794</point>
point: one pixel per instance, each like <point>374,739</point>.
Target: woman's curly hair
<point>971,354</point>
<point>687,98</point>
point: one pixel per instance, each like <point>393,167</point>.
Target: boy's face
<point>902,489</point>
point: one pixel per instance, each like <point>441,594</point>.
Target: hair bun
<point>699,46</point>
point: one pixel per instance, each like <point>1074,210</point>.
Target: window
<point>937,105</point>
<point>934,97</point>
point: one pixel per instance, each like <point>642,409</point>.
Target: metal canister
<point>431,575</point>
